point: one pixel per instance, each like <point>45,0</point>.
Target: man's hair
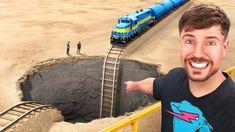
<point>204,16</point>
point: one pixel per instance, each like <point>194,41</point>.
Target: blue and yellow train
<point>131,25</point>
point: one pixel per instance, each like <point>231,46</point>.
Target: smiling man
<point>198,96</point>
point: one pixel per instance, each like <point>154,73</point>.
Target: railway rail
<point>14,114</point>
<point>109,81</point>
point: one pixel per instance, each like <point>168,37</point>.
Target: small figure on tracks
<point>68,47</point>
<point>78,47</point>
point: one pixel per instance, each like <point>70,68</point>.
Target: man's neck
<point>199,89</point>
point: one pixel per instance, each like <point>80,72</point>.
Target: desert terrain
<point>38,30</point>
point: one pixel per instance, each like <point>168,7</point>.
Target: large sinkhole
<point>74,86</point>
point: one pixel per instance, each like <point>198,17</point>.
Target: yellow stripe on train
<point>128,29</point>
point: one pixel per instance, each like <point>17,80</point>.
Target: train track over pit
<point>15,114</point>
<point>109,81</point>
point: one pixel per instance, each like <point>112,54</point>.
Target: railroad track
<point>109,81</point>
<point>10,117</point>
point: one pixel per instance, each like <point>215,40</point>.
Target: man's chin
<point>198,79</point>
<point>200,76</point>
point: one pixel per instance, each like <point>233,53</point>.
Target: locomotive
<point>132,25</point>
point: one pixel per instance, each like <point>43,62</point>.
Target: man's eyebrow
<point>208,37</point>
<point>212,37</point>
<point>188,35</point>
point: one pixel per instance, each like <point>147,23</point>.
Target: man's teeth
<point>199,65</point>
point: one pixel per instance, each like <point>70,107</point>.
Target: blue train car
<point>168,5</point>
<point>157,10</point>
<point>178,2</point>
<point>130,26</point>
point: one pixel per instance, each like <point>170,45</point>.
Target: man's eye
<point>211,43</point>
<point>189,42</point>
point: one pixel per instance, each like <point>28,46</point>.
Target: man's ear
<point>226,46</point>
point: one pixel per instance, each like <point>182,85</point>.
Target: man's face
<point>201,52</point>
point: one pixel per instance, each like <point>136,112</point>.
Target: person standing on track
<point>197,96</point>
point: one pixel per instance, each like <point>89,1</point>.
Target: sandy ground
<point>37,30</point>
<point>33,31</point>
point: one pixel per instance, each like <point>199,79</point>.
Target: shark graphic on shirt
<point>188,118</point>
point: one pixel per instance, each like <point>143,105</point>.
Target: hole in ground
<point>74,86</point>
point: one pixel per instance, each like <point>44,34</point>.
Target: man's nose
<point>198,50</point>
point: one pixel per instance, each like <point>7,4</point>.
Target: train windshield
<point>125,21</point>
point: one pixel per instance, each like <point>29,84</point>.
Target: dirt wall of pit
<point>74,87</point>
